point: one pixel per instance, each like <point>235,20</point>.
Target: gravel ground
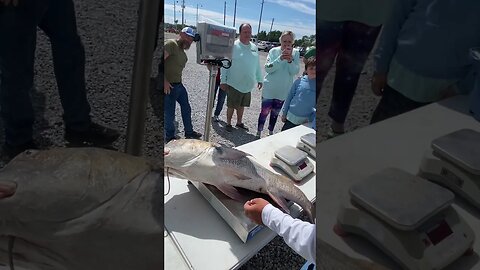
<point>108,31</point>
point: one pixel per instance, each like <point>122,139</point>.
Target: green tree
<point>262,35</point>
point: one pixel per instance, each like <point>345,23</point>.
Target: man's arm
<point>273,62</point>
<point>166,84</point>
<point>297,234</point>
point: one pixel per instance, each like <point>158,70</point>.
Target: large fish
<point>81,208</point>
<point>227,168</point>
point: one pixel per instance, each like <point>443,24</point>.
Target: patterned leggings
<point>272,106</point>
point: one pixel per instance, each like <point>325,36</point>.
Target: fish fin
<point>280,201</point>
<point>229,153</point>
<point>231,192</point>
<point>240,176</point>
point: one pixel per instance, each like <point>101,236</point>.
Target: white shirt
<point>297,234</point>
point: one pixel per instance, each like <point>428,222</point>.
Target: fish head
<point>180,153</point>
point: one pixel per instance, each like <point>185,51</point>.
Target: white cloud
<point>296,5</point>
<point>300,28</point>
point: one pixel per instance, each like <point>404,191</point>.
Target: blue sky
<point>297,16</point>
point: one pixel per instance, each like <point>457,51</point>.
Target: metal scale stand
<point>408,218</point>
<point>454,162</point>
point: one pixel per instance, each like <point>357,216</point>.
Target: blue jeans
<point>220,99</point>
<point>177,94</point>
<point>18,33</point>
<point>308,266</point>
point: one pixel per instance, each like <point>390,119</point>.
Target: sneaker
<point>216,118</point>
<point>229,128</point>
<point>270,132</point>
<point>259,134</point>
<point>95,135</point>
<point>193,135</point>
<point>11,151</point>
<point>242,126</point>
<point>176,137</point>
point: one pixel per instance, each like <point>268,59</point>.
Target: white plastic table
<point>196,235</point>
<point>397,142</point>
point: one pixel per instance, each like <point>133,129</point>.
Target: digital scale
<point>232,211</point>
<point>307,144</point>
<point>292,161</point>
<point>454,162</point>
<point>408,218</point>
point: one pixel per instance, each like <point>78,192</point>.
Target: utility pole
<point>183,8</point>
<point>224,12</point>
<point>174,15</point>
<point>197,11</point>
<point>271,26</point>
<point>260,21</point>
<point>234,13</point>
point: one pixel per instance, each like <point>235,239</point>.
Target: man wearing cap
<point>240,78</point>
<point>175,61</point>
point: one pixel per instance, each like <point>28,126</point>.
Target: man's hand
<point>379,81</point>
<point>253,209</point>
<point>7,2</point>
<point>223,86</point>
<point>167,87</point>
<point>259,85</point>
<point>284,118</point>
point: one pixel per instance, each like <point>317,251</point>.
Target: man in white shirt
<point>297,234</point>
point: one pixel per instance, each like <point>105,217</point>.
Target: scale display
<point>408,218</point>
<point>293,162</point>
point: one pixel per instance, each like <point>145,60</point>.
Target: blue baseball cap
<point>189,31</point>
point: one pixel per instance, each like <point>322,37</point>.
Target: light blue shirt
<point>299,106</point>
<point>280,74</point>
<point>245,71</point>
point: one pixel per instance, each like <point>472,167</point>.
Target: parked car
<point>262,45</point>
<point>301,50</point>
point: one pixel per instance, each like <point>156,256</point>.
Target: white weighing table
<point>397,142</point>
<point>196,237</point>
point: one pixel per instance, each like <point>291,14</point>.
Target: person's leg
<point>231,106</point>
<point>276,107</point>
<point>220,101</point>
<point>392,104</point>
<point>358,40</point>
<point>240,111</point>
<point>186,111</point>
<point>245,99</point>
<point>169,103</point>
<point>329,36</point>
<point>59,24</point>
<point>262,117</point>
<point>18,28</point>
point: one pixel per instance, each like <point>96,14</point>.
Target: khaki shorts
<point>237,99</point>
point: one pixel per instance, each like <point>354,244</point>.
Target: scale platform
<point>293,162</point>
<point>307,144</point>
<point>408,218</point>
<point>231,210</point>
<point>454,162</point>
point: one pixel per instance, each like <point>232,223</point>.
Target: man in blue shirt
<point>240,78</point>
